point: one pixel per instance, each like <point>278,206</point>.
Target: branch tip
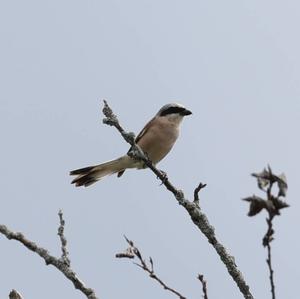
<point>144,266</point>
<point>204,285</point>
<point>196,192</point>
<point>15,295</point>
<point>65,254</point>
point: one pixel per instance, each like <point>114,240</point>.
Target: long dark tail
<point>89,175</point>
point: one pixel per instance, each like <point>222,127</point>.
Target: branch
<point>15,295</point>
<point>58,263</point>
<point>267,239</point>
<point>196,193</point>
<point>269,259</point>
<point>197,216</point>
<point>131,252</point>
<point>272,204</point>
<point>204,286</point>
<point>63,240</point>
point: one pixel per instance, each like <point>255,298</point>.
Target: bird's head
<point>173,112</point>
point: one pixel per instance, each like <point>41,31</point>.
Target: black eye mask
<point>179,110</point>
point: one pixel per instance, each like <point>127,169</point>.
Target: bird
<point>156,140</point>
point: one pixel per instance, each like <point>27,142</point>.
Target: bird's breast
<point>159,140</point>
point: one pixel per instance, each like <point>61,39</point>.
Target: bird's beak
<point>186,112</point>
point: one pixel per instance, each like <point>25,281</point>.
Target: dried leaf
<point>263,179</point>
<point>282,184</point>
<point>256,204</point>
<point>266,177</point>
<point>279,204</point>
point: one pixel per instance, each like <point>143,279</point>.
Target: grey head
<point>173,109</point>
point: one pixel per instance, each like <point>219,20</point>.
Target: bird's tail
<point>89,175</point>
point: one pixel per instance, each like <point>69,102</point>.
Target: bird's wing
<point>144,131</point>
<point>137,139</point>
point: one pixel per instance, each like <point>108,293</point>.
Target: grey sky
<point>235,64</point>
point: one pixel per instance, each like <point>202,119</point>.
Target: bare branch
<point>63,240</point>
<point>268,237</point>
<point>15,295</point>
<point>267,242</point>
<point>143,265</point>
<point>204,285</point>
<point>197,216</point>
<point>196,193</point>
<point>272,204</point>
<point>49,260</point>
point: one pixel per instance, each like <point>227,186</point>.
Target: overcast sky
<point>235,64</point>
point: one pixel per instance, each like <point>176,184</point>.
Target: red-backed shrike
<point>156,140</point>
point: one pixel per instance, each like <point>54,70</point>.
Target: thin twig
<point>196,193</point>
<point>204,285</point>
<point>49,260</point>
<point>63,240</point>
<point>143,265</point>
<point>271,276</point>
<point>267,239</point>
<point>197,216</point>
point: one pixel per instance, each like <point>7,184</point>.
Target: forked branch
<point>193,208</point>
<point>133,252</point>
<point>62,264</point>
